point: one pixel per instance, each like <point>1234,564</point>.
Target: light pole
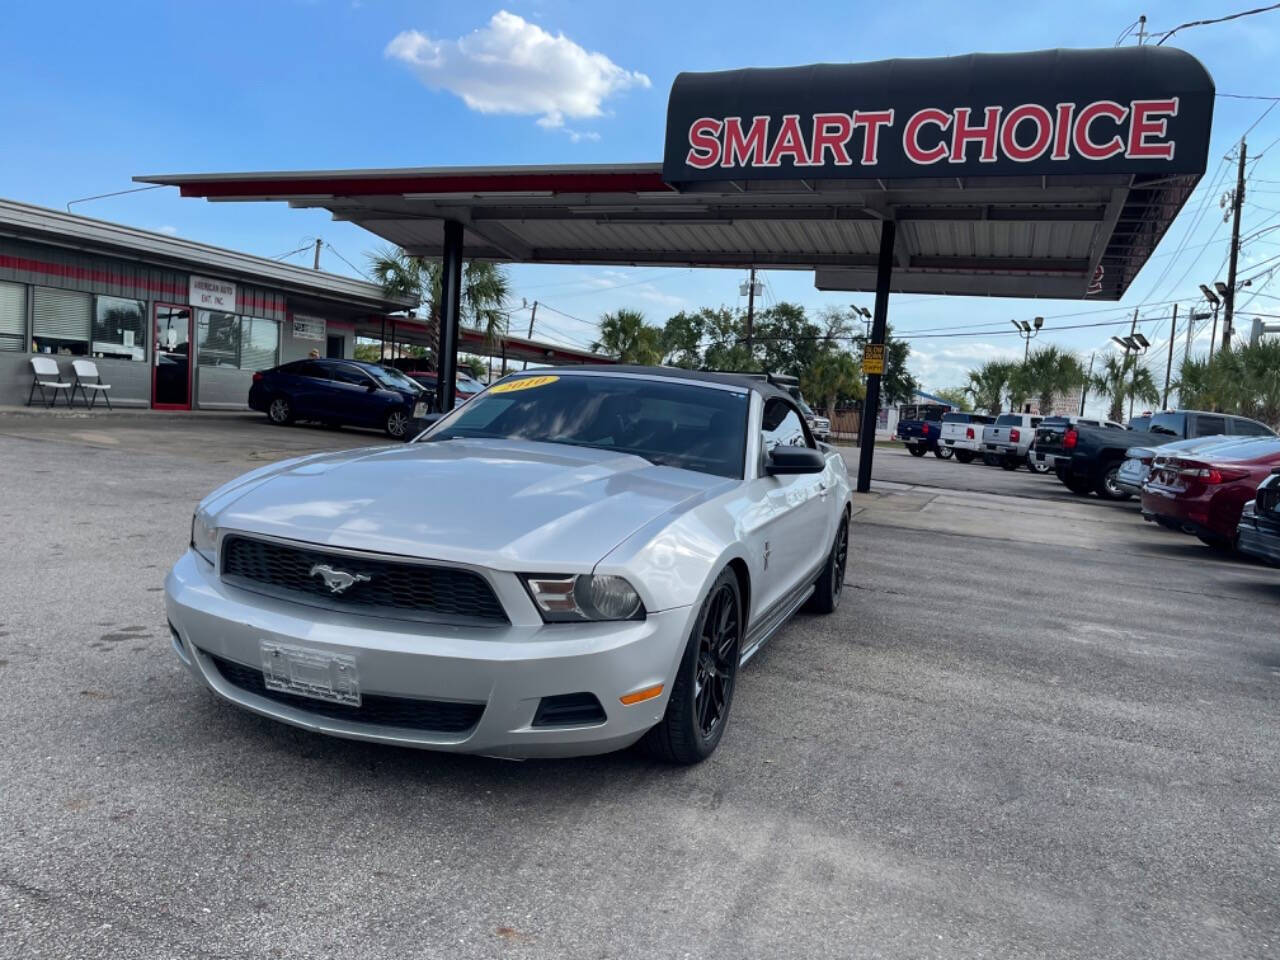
<point>863,315</point>
<point>1137,345</point>
<point>1027,333</point>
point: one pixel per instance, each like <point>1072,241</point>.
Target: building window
<point>119,328</point>
<point>13,316</point>
<point>217,339</point>
<point>245,343</point>
<point>61,321</point>
<point>259,343</point>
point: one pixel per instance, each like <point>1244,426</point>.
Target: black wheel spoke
<point>717,655</point>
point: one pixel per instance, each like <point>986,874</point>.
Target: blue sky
<point>94,93</point>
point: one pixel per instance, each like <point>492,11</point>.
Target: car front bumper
<point>1259,536</point>
<point>507,670</point>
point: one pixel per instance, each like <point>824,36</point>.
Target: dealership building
<point>169,323</point>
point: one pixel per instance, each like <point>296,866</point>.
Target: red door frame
<point>191,357</point>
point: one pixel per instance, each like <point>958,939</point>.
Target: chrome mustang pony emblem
<point>336,580</point>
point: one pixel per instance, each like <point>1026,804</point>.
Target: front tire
<point>1107,487</point>
<point>827,589</point>
<point>1037,466</point>
<point>1009,463</point>
<point>916,450</point>
<point>964,456</point>
<point>943,453</point>
<point>397,424</point>
<point>698,709</point>
<point>280,411</point>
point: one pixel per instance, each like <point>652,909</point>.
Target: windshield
<point>391,377</point>
<point>674,424</point>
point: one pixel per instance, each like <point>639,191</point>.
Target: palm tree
<point>1141,386</point>
<point>1048,372</point>
<point>988,383</point>
<point>483,297</point>
<point>625,336</point>
<point>832,373</point>
<point>1112,381</point>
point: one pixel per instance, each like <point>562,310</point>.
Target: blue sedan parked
<point>339,393</point>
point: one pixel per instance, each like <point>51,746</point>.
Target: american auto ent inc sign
<point>1060,112</point>
<point>206,293</point>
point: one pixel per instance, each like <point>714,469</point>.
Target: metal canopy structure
<point>1049,174</point>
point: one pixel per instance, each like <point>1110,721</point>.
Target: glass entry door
<point>171,372</point>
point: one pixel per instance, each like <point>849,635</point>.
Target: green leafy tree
<point>1048,372</point>
<point>1244,380</point>
<point>958,397</point>
<point>832,375</point>
<point>682,340</point>
<point>1112,381</point>
<point>472,365</point>
<point>725,332</point>
<point>988,384</point>
<point>786,341</point>
<point>627,338</point>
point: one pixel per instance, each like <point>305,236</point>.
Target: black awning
<point>1079,113</point>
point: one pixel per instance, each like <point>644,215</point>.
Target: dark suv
<point>339,393</point>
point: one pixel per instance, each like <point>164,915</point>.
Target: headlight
<point>204,537</point>
<point>583,597</point>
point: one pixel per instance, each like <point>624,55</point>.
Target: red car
<point>1207,491</point>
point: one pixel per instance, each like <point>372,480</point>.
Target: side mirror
<point>371,387</point>
<point>787,460</point>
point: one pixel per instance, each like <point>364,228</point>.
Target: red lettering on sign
<point>1062,134</point>
<point>789,143</point>
<point>1043,121</point>
<point>704,143</point>
<point>911,134</point>
<point>831,131</point>
<point>1084,143</point>
<point>873,120</point>
<point>962,133</point>
<point>736,146</point>
<point>1141,127</point>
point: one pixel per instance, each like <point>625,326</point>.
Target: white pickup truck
<point>962,433</point>
<point>1008,440</point>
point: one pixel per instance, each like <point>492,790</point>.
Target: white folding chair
<point>88,378</point>
<point>41,369</point>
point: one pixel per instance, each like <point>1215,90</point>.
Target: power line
<point>334,251</point>
<point>114,193</point>
<point>1201,23</point>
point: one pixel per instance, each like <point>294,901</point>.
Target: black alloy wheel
<point>702,695</point>
<point>717,660</point>
<point>826,589</point>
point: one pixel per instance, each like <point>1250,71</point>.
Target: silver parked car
<point>574,560</point>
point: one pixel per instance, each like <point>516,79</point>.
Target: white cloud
<point>948,365</point>
<point>511,66</point>
<point>171,231</point>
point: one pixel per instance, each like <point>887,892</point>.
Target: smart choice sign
<point>1061,112</point>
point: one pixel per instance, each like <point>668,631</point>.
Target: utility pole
<point>532,315</point>
<point>316,264</point>
<point>1237,201</point>
<point>1132,329</point>
<point>1168,367</point>
<point>751,312</point>
<point>1084,390</point>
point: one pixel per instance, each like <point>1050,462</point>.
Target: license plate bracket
<point>306,672</point>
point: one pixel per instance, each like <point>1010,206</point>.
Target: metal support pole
<point>382,341</point>
<point>1213,335</point>
<point>1168,367</point>
<point>871,405</point>
<point>533,315</point>
<point>751,313</point>
<point>1084,388</point>
<point>450,315</point>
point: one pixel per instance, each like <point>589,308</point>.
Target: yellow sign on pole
<point>873,359</point>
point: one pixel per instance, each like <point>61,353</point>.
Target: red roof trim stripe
<point>359,186</point>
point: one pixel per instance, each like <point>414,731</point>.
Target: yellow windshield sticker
<point>524,383</point>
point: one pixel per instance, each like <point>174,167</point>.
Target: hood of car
<point>507,504</point>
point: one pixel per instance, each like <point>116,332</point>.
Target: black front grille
<point>437,716</point>
<point>569,710</point>
<point>395,588</point>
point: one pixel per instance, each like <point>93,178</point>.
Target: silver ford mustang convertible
<point>573,561</point>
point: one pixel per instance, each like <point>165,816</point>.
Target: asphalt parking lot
<point>1036,727</point>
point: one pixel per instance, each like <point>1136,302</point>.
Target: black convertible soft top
<point>747,381</point>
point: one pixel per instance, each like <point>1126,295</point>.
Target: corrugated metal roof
<point>996,236</point>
